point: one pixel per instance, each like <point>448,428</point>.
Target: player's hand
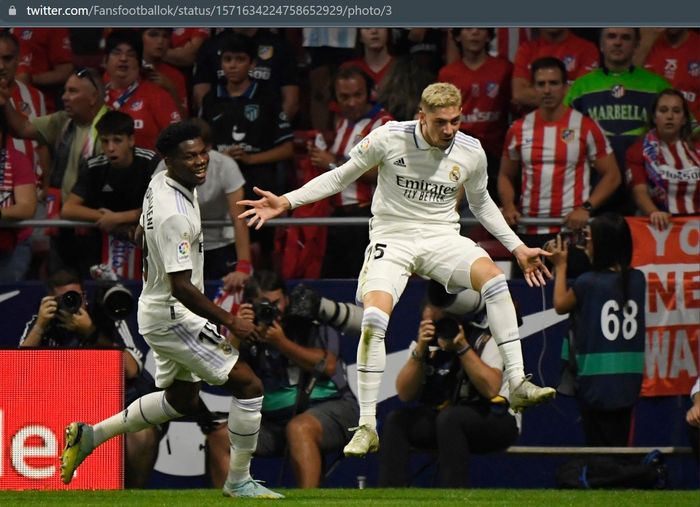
<point>577,219</point>
<point>511,214</point>
<point>660,219</point>
<point>530,261</point>
<point>264,209</point>
<point>235,281</point>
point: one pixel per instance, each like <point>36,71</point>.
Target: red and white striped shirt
<point>555,159</point>
<point>29,102</point>
<point>679,167</point>
<point>347,135</point>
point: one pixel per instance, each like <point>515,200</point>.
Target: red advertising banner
<point>670,259</point>
<point>41,391</point>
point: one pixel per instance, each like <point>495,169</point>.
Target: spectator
<point>455,373</point>
<point>228,246</point>
<point>692,417</point>
<point>17,202</point>
<point>69,133</point>
<point>674,53</point>
<point>358,117</point>
<point>607,306</point>
<point>184,45</point>
<point>65,320</point>
<point>485,85</point>
<point>376,59</point>
<point>151,107</point>
<point>579,56</point>
<point>273,65</point>
<point>155,46</point>
<point>663,166</point>
<point>47,61</point>
<point>401,88</point>
<point>326,49</point>
<point>27,100</point>
<point>619,97</point>
<point>248,125</point>
<point>109,192</point>
<point>308,406</point>
<point>425,46</point>
<point>553,149</point>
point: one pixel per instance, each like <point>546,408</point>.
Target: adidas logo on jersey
<point>400,162</point>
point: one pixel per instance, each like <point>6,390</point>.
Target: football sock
<point>243,427</point>
<point>503,324</point>
<point>148,410</point>
<point>371,361</point>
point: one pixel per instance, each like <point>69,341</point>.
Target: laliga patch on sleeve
<point>183,250</point>
<point>364,145</point>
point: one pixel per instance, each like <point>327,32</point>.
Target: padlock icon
<point>12,11</point>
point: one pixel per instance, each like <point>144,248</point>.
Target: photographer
<point>606,343</point>
<point>66,321</point>
<point>455,373</point>
<point>308,405</point>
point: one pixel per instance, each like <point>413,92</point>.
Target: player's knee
<point>250,387</point>
<point>375,319</point>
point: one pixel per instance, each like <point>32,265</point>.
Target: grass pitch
<point>362,498</point>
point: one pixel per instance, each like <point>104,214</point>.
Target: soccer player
<point>179,323</point>
<point>415,229</point>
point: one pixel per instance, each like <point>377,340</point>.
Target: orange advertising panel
<point>670,259</point>
<point>41,391</point>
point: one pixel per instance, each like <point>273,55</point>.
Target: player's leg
<point>181,392</point>
<point>381,283</point>
<point>244,419</point>
<point>484,276</point>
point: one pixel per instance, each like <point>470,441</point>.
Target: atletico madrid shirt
<point>151,107</point>
<point>347,135</point>
<point>619,101</point>
<point>255,121</point>
<point>556,161</point>
<point>485,99</point>
<point>579,55</point>
<point>679,167</point>
<point>680,65</point>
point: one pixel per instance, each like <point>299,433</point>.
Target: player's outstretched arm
<point>530,261</point>
<point>266,208</point>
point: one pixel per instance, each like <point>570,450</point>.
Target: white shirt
<point>173,242</point>
<point>417,182</point>
<point>223,178</point>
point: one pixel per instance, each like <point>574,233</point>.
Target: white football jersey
<point>173,242</point>
<point>419,182</point>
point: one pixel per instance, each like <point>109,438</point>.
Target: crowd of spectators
<point>260,88</point>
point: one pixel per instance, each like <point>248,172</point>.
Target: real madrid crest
<point>226,347</point>
<point>455,174</point>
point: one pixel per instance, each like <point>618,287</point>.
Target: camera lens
<point>70,302</point>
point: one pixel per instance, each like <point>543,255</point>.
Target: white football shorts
<point>191,350</point>
<point>397,250</point>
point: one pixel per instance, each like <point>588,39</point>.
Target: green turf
<point>362,498</point>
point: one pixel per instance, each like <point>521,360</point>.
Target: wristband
<point>587,206</point>
<point>244,266</point>
<point>463,350</point>
<point>416,357</point>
